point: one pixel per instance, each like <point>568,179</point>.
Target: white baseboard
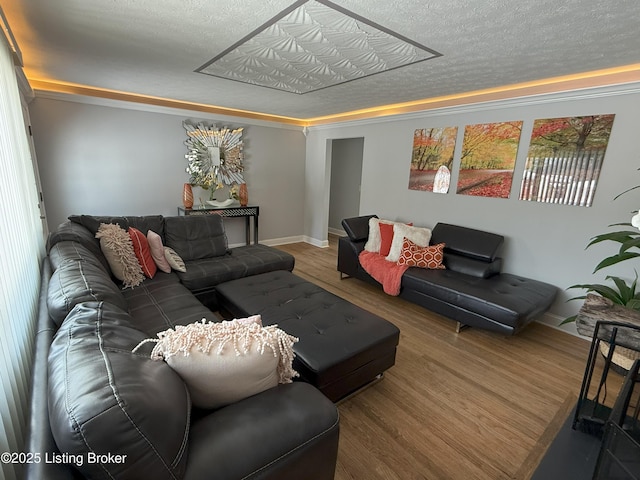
<point>316,242</point>
<point>337,231</point>
<point>554,321</point>
<point>283,240</point>
<point>272,242</point>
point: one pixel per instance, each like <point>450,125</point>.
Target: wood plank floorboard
<point>473,405</point>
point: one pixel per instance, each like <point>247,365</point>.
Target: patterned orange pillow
<point>424,257</point>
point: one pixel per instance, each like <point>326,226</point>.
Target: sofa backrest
<point>143,223</point>
<point>74,232</point>
<point>71,251</point>
<point>79,280</point>
<point>467,242</point>
<point>80,272</point>
<point>194,237</point>
<point>469,251</point>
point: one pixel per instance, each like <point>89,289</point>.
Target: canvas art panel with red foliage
<point>488,159</point>
<point>432,159</point>
<point>564,159</point>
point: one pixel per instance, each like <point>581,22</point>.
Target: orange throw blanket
<point>389,274</point>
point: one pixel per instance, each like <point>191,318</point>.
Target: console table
<point>232,211</point>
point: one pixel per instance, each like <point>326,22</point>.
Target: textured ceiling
<point>154,47</point>
<point>315,45</point>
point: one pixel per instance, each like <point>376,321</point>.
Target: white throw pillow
<point>224,362</point>
<point>374,241</point>
<point>418,235</point>
<point>174,260</point>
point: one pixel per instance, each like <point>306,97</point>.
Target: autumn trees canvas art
<point>563,162</point>
<point>431,158</point>
<point>564,159</point>
<point>488,159</point>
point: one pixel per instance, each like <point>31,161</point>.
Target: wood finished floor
<point>474,405</point>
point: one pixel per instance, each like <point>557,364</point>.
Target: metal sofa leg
<point>460,327</point>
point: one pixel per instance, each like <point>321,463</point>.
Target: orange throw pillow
<point>143,253</point>
<point>386,237</point>
<point>430,257</point>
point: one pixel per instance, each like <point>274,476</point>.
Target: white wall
<point>346,174</point>
<point>127,159</point>
<point>543,241</point>
<point>118,160</point>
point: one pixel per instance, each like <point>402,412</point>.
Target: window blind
<point>21,253</point>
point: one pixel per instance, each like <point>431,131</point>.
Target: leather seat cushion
<point>505,298</point>
<point>336,337</point>
<point>105,399</point>
<point>162,302</point>
<point>241,262</point>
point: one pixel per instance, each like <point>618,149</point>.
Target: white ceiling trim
<point>527,101</point>
<point>145,107</point>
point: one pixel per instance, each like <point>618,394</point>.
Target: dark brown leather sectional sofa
<point>92,397</point>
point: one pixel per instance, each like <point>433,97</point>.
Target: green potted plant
<point>621,292</point>
<point>619,300</point>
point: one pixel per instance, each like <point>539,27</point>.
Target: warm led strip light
<point>75,89</point>
<point>598,78</point>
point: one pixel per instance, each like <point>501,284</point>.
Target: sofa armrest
<point>348,252</point>
<point>39,437</point>
<point>472,266</point>
<point>357,228</point>
<point>287,432</point>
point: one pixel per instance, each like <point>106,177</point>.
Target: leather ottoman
<point>342,347</point>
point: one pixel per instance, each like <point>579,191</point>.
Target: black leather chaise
<point>471,290</point>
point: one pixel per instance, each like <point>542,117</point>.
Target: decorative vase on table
<point>243,195</point>
<point>187,195</point>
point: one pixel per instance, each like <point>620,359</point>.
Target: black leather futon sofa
<point>471,290</point>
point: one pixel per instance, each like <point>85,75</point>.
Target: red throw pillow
<point>424,257</point>
<point>143,252</point>
<point>386,237</point>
